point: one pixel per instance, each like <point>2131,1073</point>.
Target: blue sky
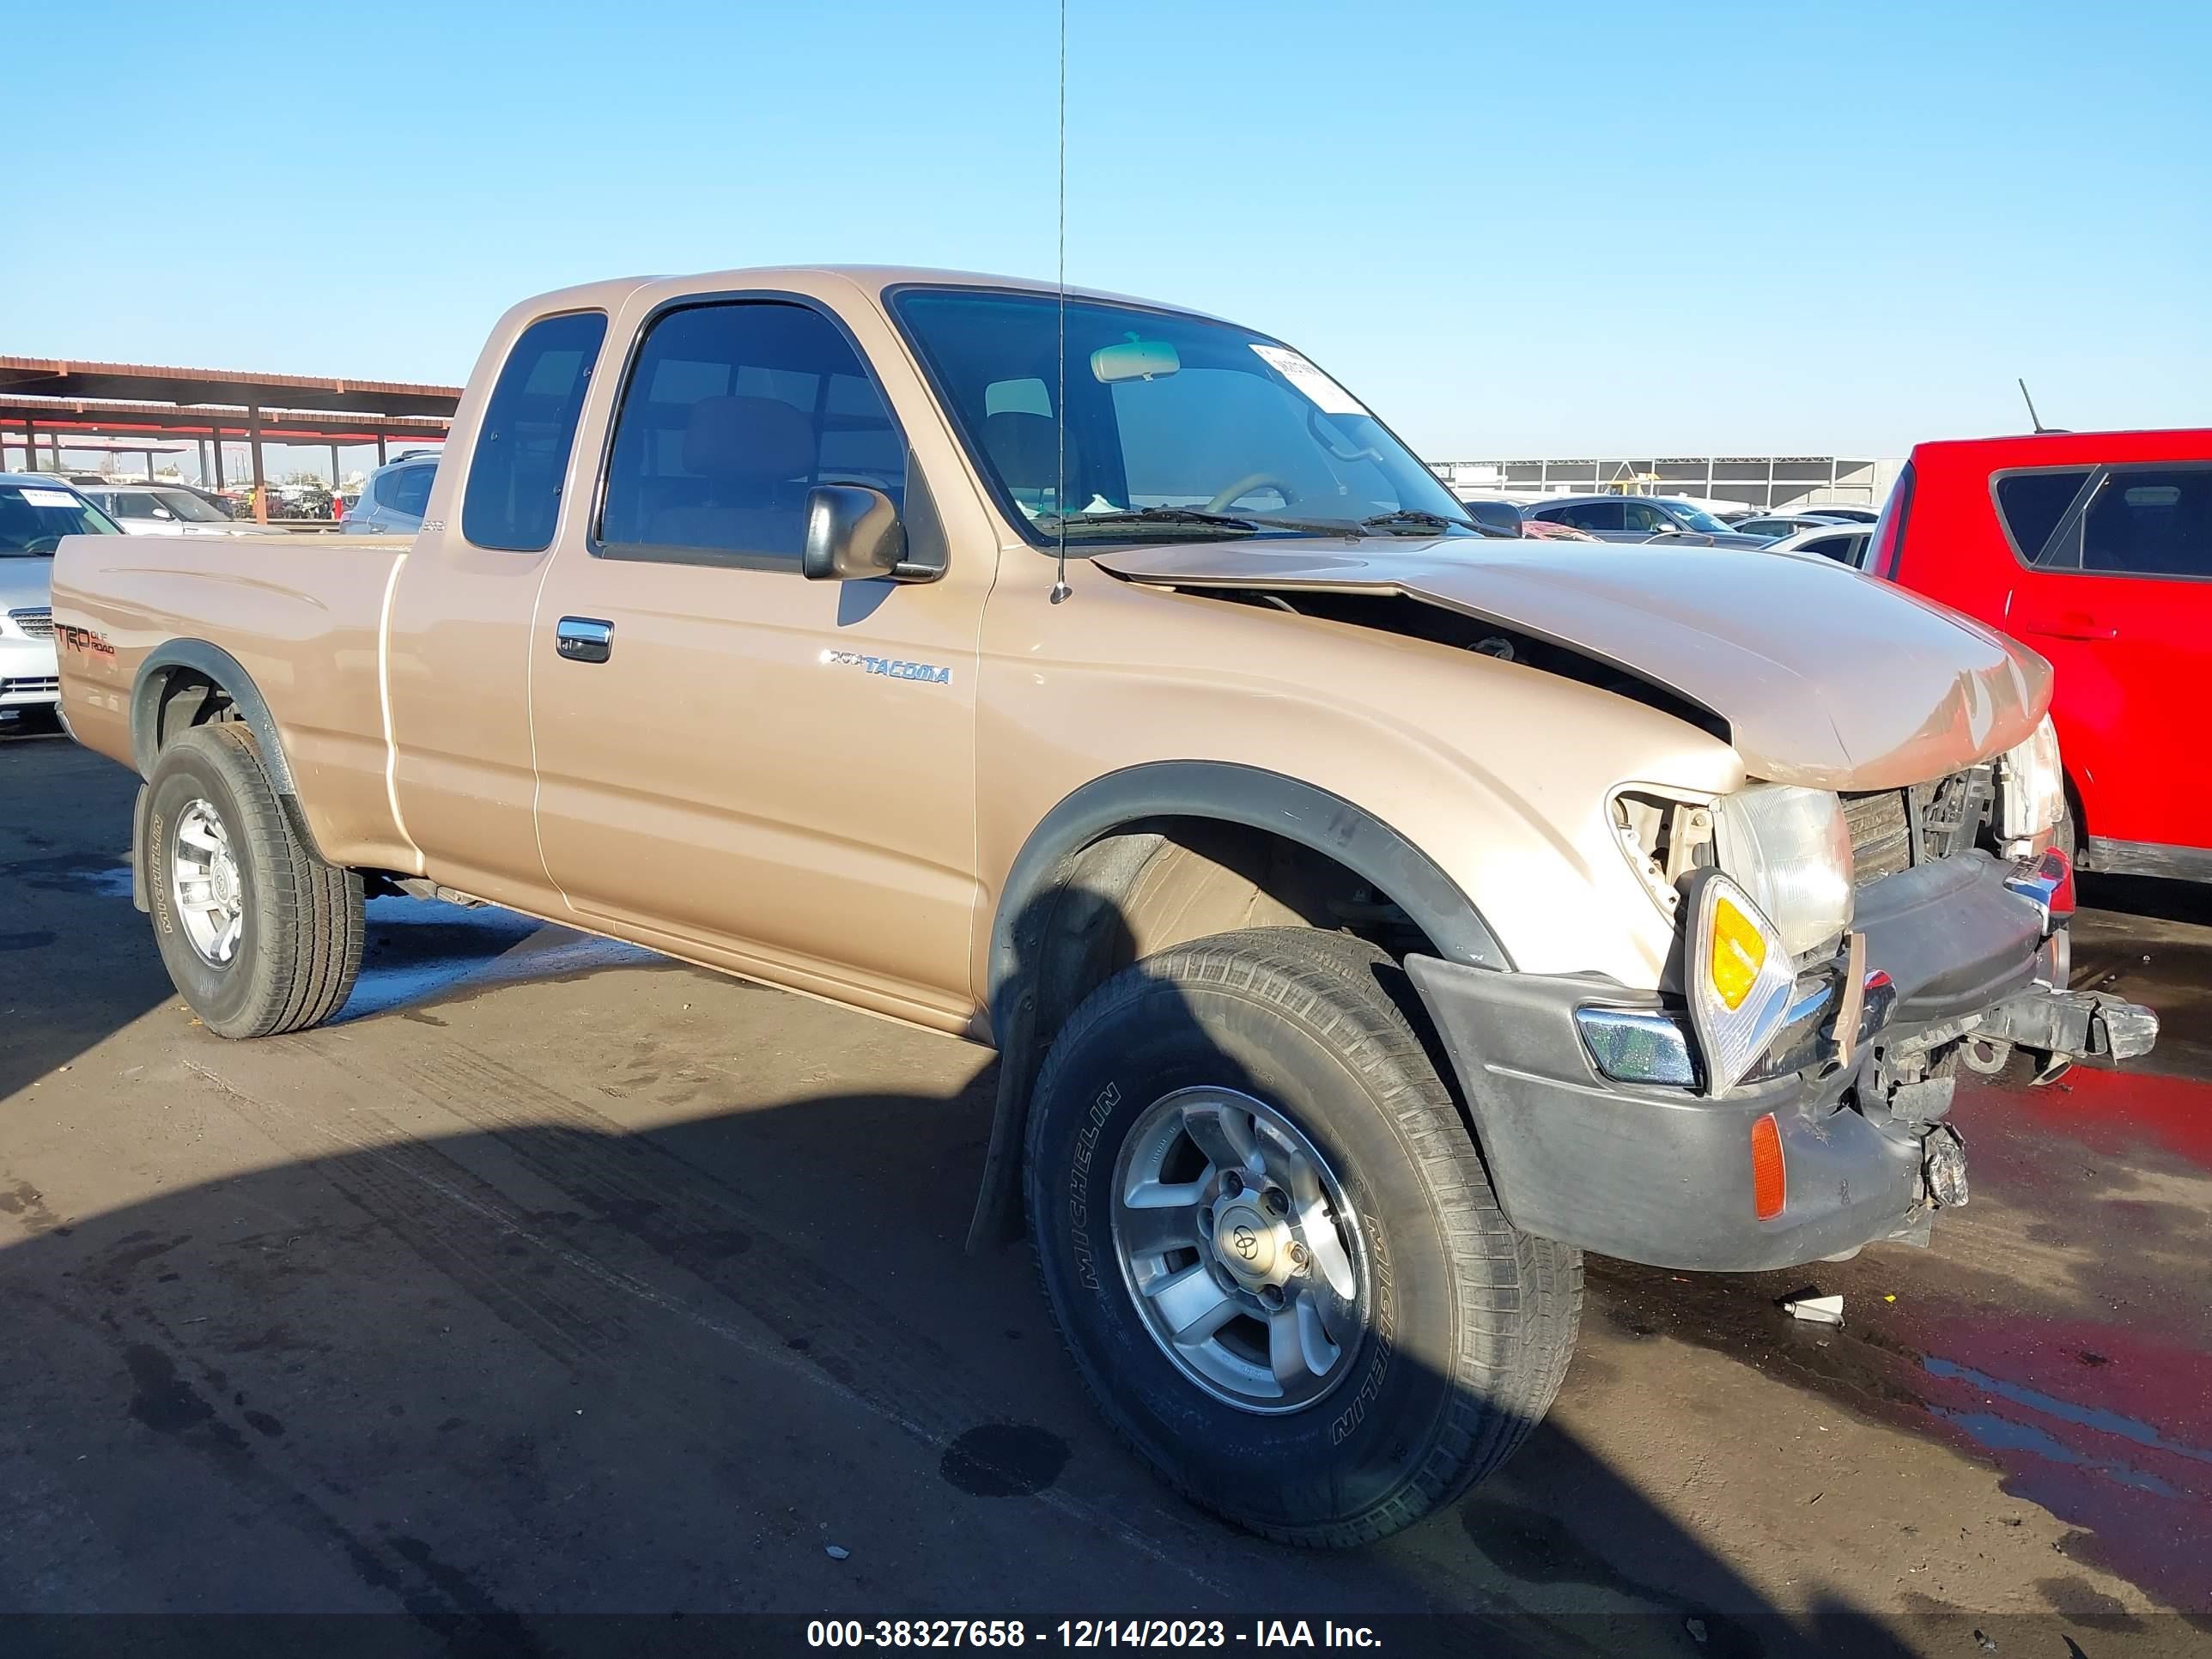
<point>1561,230</point>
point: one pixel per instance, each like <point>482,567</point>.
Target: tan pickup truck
<point>1371,912</point>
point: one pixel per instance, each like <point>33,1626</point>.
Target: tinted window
<point>2150,521</point>
<point>529,426</point>
<point>1832,547</point>
<point>1590,515</point>
<point>138,504</point>
<point>2032,503</point>
<point>407,490</point>
<point>732,414</point>
<point>1642,515</point>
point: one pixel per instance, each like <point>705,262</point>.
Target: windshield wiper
<point>1124,517</point>
<point>1413,519</point>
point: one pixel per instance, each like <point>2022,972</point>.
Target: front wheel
<point>258,932</point>
<point>1271,1246</point>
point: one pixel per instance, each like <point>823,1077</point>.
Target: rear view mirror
<point>853,533</point>
<point>1134,360</point>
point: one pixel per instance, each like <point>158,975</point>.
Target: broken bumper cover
<point>1954,953</point>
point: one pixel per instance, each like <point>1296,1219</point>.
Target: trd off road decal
<point>84,639</point>
<point>890,667</point>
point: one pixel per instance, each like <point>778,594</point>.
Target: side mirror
<point>853,533</point>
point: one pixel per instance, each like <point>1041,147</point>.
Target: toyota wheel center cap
<point>1245,1241</point>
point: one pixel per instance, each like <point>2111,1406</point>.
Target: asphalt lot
<point>558,1278</point>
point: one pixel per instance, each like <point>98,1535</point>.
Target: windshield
<point>1168,414</point>
<point>34,519</point>
<point>1697,519</point>
<point>185,505</point>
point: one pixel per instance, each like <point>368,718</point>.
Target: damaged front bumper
<point>1598,1131</point>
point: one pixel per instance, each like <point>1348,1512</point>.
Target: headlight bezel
<point>1790,848</point>
<point>2031,786</point>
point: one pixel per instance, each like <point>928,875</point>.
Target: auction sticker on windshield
<point>48,497</point>
<point>1323,393</point>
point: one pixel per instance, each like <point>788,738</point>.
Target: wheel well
<point>1131,892</point>
<point>185,698</point>
<point>1166,881</point>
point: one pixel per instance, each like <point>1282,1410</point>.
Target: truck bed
<point>303,615</point>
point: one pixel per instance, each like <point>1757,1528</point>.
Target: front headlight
<point>1790,851</point>
<point>2031,786</point>
<point>1740,977</point>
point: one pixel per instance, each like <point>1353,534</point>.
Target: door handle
<point>584,639</point>
<point>2077,625</point>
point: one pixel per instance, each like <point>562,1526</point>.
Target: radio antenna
<point>1059,588</point>
<point>2035,419</point>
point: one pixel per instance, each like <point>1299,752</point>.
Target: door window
<point>2150,521</point>
<point>1591,515</point>
<point>529,426</point>
<point>732,413</point>
<point>2031,504</point>
<point>1644,517</point>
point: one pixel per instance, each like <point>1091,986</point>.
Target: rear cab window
<point>529,426</point>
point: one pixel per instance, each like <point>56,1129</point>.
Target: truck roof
<point>609,292</point>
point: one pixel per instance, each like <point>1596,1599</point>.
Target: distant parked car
<point>1640,518</point>
<point>2095,550</point>
<point>1843,542</point>
<point>36,511</point>
<point>163,510</point>
<point>392,500</point>
<point>1783,524</point>
<point>1843,513</point>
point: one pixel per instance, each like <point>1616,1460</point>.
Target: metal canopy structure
<point>55,400</point>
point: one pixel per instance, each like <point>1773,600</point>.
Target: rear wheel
<point>1270,1244</point>
<point>259,933</point>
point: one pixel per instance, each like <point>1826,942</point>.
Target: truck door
<point>2120,601</point>
<point>734,762</point>
<point>461,607</point>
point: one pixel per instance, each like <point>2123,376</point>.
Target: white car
<point>35,513</point>
<point>152,509</point>
<point>1843,542</point>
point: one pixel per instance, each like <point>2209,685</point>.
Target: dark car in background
<point>1641,519</point>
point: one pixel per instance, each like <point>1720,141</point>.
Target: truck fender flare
<point>224,671</point>
<point>1029,909</point>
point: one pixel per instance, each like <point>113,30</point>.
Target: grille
<point>37,621</point>
<point>1892,829</point>
<point>19,687</point>
<point>1881,834</point>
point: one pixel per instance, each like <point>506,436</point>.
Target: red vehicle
<point>2095,550</point>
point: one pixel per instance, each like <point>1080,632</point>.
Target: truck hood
<point>1823,676</point>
